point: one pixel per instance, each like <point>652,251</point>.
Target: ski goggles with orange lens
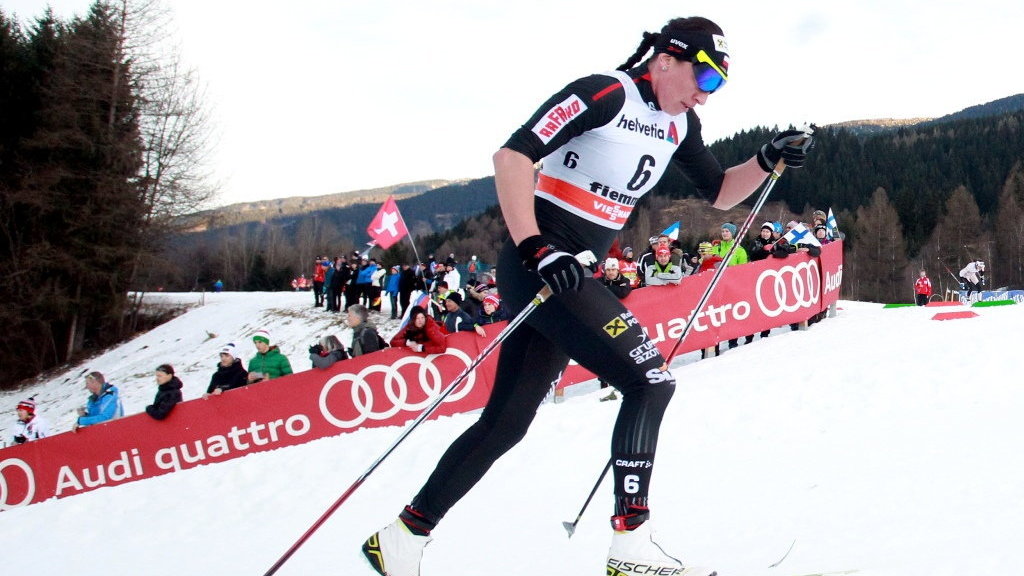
<point>709,76</point>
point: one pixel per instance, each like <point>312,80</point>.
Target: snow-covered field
<point>879,441</point>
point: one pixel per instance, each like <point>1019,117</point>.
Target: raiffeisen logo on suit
<point>557,117</point>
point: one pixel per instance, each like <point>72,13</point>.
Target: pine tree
<point>1009,231</point>
<point>959,237</point>
<point>879,261</point>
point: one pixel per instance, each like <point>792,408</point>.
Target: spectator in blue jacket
<point>364,281</point>
<point>392,290</point>
<point>103,404</point>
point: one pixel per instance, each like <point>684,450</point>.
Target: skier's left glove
<point>786,146</point>
<point>558,269</point>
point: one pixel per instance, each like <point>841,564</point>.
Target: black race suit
<point>590,326</point>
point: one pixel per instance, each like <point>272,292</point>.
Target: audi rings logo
<point>790,288</point>
<point>398,393</point>
<point>5,486</point>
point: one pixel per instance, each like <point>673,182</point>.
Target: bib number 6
<point>631,484</point>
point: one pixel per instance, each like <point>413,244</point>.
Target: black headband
<point>685,44</point>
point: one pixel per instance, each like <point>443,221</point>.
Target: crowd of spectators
<point>356,284</point>
<point>666,262</point>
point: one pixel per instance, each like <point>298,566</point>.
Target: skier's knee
<point>655,385</point>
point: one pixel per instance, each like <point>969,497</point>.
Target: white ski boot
<point>635,553</point>
<point>395,551</point>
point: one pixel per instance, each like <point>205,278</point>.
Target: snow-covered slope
<point>879,441</point>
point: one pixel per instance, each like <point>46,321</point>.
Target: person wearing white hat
<point>614,280</point>
<point>230,372</point>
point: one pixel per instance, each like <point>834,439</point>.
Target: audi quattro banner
<point>381,389</point>
<point>748,299</point>
<point>392,387</point>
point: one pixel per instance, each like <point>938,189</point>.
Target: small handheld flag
<point>831,226</point>
<point>799,234</point>
<point>672,231</point>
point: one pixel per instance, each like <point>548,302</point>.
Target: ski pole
<point>761,199</point>
<point>720,270</point>
<point>955,277</point>
<point>539,299</point>
<point>570,527</point>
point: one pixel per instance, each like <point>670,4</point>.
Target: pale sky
<point>313,97</point>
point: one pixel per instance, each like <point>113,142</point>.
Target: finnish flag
<point>799,234</point>
<point>831,226</point>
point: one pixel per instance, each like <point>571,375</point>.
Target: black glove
<point>784,146</point>
<point>20,439</point>
<point>557,268</point>
<point>316,349</point>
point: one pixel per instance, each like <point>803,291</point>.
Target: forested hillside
<point>929,195</point>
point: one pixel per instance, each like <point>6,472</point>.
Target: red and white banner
<point>388,226</point>
<point>390,387</point>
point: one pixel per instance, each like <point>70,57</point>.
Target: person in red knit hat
<point>30,426</point>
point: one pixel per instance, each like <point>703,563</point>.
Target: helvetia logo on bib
<point>653,130</point>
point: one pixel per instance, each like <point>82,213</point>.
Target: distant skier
<point>972,277</point>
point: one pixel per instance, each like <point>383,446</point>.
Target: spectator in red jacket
<point>320,266</point>
<point>923,288</point>
<point>420,334</point>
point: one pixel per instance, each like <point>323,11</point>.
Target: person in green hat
<point>269,362</point>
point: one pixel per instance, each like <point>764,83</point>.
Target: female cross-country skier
<point>605,140</point>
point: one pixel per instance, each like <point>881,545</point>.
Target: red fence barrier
<point>389,387</point>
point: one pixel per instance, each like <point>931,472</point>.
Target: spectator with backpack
<point>365,338</point>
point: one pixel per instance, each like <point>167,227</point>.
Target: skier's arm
<point>513,179</point>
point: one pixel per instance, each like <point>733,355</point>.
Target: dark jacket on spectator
<point>234,376</point>
<point>757,251</point>
<point>458,321</point>
<point>620,286</point>
<point>167,396</point>
<point>364,340</point>
<point>500,315</point>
